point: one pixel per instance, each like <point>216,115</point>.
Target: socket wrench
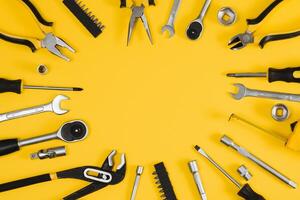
<point>170,25</point>
<point>54,107</point>
<point>195,29</point>
<point>72,131</point>
<point>246,92</point>
<point>229,142</point>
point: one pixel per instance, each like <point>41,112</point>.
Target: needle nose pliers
<point>241,40</point>
<point>50,41</point>
<point>98,177</point>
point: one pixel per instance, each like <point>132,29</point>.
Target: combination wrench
<point>196,27</point>
<point>246,92</point>
<point>170,25</point>
<point>54,107</point>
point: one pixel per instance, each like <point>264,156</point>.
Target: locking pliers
<point>241,40</point>
<point>50,41</point>
<point>98,177</point>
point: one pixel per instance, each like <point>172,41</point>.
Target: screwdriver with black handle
<point>16,86</point>
<point>286,75</point>
<point>245,191</point>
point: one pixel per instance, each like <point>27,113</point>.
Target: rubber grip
<point>24,182</point>
<point>10,86</point>
<point>270,38</point>
<point>8,146</point>
<point>248,194</point>
<point>37,14</point>
<point>258,19</point>
<point>286,75</point>
<point>123,4</point>
<point>151,2</point>
<point>18,41</point>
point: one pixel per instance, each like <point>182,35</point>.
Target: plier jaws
<point>241,40</point>
<point>138,13</point>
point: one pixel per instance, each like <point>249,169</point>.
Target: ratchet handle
<point>248,193</point>
<point>24,182</point>
<point>258,19</point>
<point>276,37</point>
<point>286,75</point>
<point>8,146</point>
<point>10,86</point>
<point>36,13</point>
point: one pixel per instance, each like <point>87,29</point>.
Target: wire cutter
<point>50,41</point>
<point>98,177</point>
<point>241,40</point>
<point>138,12</point>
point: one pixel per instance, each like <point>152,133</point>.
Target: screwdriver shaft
<point>247,75</point>
<point>52,88</point>
<point>139,172</point>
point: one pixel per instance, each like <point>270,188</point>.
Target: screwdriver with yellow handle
<point>286,75</point>
<point>291,142</point>
<point>16,86</point>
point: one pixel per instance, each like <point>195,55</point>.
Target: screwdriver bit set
<point>77,130</point>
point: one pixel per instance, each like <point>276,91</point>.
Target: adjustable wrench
<point>195,28</point>
<point>170,25</point>
<point>54,107</point>
<point>246,92</point>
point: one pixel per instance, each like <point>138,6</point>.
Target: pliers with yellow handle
<point>50,41</point>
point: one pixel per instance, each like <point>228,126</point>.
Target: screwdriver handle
<point>248,194</point>
<point>14,86</point>
<point>286,75</point>
<point>9,146</point>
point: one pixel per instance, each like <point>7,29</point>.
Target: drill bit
<point>139,172</point>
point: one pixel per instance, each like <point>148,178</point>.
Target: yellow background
<point>151,102</point>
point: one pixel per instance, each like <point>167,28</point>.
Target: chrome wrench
<point>246,92</point>
<point>196,27</point>
<point>170,25</point>
<point>54,107</point>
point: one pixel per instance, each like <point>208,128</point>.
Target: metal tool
<point>246,92</point>
<point>54,107</point>
<point>196,27</point>
<point>50,41</point>
<point>16,86</point>
<point>49,153</point>
<point>280,112</point>
<point>97,177</point>
<point>245,191</point>
<point>241,40</point>
<point>229,142</point>
<point>244,172</point>
<point>170,25</point>
<point>138,13</point>
<point>123,3</point>
<point>42,69</point>
<point>164,183</point>
<point>72,131</point>
<point>286,75</point>
<point>227,16</point>
<point>139,172</point>
<point>195,171</point>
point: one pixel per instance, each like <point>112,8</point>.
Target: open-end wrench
<point>246,92</point>
<point>195,28</point>
<point>54,106</point>
<point>170,25</point>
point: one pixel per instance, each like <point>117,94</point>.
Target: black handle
<point>18,41</point>
<point>286,75</point>
<point>24,182</point>
<point>276,37</point>
<point>151,2</point>
<point>10,86</point>
<point>248,194</point>
<point>123,4</point>
<point>258,19</point>
<point>8,146</point>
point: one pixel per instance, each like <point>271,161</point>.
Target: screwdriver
<point>286,75</point>
<point>245,192</point>
<point>16,86</point>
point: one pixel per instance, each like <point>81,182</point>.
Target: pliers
<point>50,41</point>
<point>138,13</point>
<point>104,177</point>
<point>241,40</point>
